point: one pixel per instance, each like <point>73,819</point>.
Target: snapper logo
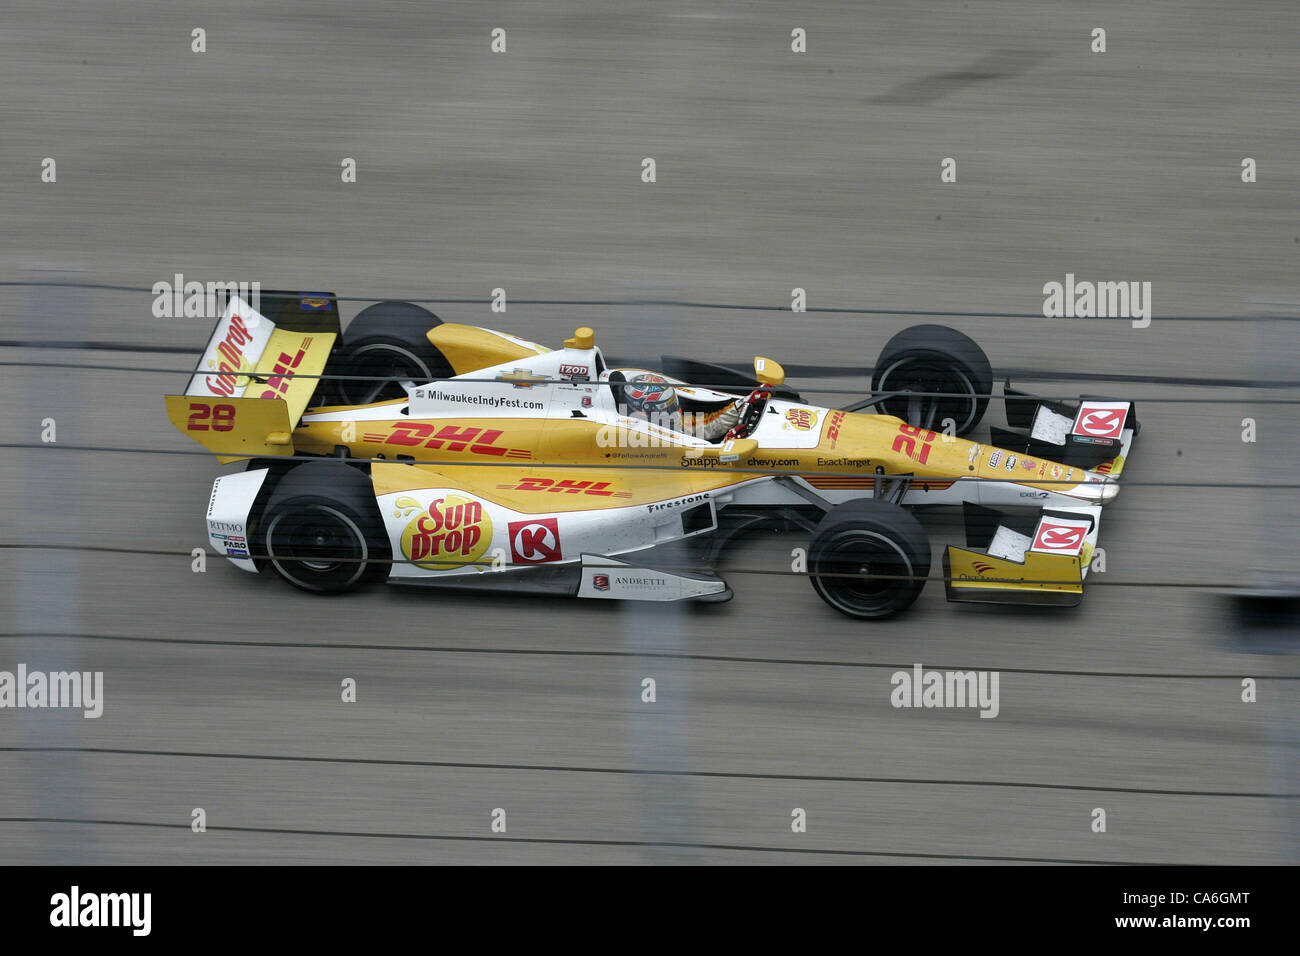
<point>231,363</point>
<point>453,533</point>
<point>801,418</point>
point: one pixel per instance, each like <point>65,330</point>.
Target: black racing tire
<point>322,531</point>
<point>869,536</point>
<point>934,358</point>
<point>387,338</point>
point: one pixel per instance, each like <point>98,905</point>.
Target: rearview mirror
<point>768,372</point>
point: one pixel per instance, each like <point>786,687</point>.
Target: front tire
<point>869,559</point>
<point>322,531</point>
<point>934,358</point>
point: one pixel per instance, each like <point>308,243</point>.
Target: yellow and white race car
<point>432,453</point>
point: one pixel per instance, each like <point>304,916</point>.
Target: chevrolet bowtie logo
<point>522,378</point>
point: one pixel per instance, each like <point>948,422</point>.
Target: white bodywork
<point>229,510</point>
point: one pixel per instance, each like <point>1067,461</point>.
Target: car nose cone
<point>1101,492</point>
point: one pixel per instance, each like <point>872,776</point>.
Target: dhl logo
<point>833,429</point>
<point>449,437</point>
<point>278,384</point>
<point>566,486</point>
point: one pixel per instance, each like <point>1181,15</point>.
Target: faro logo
<point>453,533</point>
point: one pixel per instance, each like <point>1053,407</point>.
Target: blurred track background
<point>522,170</point>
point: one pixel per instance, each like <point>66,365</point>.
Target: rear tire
<point>386,339</point>
<point>322,530</point>
<point>934,358</point>
<point>869,537</point>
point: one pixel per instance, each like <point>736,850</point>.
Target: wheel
<point>321,530</point>
<point>386,339</point>
<point>934,358</point>
<point>869,537</point>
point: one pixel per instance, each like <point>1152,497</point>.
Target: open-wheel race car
<point>433,453</point>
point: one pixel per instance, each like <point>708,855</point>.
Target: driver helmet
<point>653,398</point>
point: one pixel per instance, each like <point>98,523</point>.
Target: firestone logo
<point>453,533</point>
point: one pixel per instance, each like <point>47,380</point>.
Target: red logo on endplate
<point>1101,421</point>
<point>1060,538</point>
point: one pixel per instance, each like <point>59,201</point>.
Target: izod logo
<point>453,533</point>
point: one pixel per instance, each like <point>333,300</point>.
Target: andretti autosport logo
<point>454,532</point>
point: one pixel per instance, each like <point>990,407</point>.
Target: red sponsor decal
<point>536,541</point>
<point>833,429</point>
<point>449,535</point>
<point>1100,421</point>
<point>452,438</point>
<point>218,418</point>
<point>600,582</point>
<point>569,486</point>
<point>231,349</point>
<point>278,382</point>
<point>1063,538</point>
<point>801,418</point>
<point>906,443</point>
<point>575,371</point>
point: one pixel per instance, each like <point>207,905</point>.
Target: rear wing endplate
<point>255,379</point>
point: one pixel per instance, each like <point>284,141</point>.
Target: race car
<point>433,453</point>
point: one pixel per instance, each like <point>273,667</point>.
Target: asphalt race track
<point>775,170</point>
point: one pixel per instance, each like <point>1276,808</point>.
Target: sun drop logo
<point>230,363</point>
<point>454,529</point>
<point>801,418</point>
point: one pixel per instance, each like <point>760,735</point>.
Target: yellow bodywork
<point>975,575</point>
<point>234,428</point>
<point>468,348</point>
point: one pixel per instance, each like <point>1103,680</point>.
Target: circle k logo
<point>1062,538</point>
<point>1101,421</point>
<point>536,541</point>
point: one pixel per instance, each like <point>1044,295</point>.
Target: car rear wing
<point>257,376</point>
<point>1093,433</point>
